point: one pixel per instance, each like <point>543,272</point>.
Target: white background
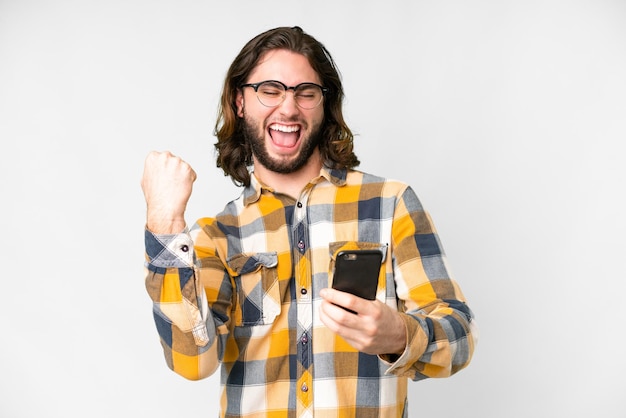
<point>507,118</point>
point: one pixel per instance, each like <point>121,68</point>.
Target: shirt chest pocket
<point>258,289</point>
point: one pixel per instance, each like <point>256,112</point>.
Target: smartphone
<point>356,272</point>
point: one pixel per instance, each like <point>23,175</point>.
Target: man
<point>250,289</point>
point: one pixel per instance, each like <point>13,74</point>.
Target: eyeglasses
<point>271,93</point>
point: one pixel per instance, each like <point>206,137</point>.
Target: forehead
<point>286,66</point>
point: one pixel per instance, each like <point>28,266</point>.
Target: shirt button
<point>184,248</point>
<point>303,291</point>
<point>301,244</point>
<point>299,204</point>
<point>304,388</point>
<point>304,339</point>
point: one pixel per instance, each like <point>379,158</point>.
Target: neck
<point>290,184</point>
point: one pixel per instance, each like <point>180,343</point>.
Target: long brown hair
<point>233,153</point>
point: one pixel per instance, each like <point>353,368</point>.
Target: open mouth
<point>285,136</point>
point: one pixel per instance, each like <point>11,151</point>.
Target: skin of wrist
<point>159,225</point>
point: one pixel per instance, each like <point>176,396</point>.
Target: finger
<point>335,296</point>
<point>340,322</point>
<point>326,317</point>
<point>344,299</point>
<point>158,155</point>
<point>334,317</point>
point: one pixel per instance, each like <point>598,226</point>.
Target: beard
<point>280,165</point>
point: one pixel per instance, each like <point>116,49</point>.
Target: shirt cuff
<point>169,250</point>
<point>400,365</point>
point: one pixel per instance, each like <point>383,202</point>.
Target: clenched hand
<point>167,183</point>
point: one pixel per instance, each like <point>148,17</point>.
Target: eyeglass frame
<point>255,86</point>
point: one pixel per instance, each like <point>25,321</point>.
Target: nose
<point>289,105</point>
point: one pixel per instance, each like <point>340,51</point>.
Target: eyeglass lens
<point>306,95</point>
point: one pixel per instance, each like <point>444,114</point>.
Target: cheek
<point>256,121</point>
<point>318,117</point>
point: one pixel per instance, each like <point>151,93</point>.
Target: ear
<point>239,103</point>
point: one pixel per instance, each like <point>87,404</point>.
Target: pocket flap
<point>248,263</point>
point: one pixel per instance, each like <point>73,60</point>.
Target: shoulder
<point>364,179</point>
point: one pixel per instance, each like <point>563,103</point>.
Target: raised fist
<point>167,183</point>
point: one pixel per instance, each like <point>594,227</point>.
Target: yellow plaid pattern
<point>241,290</point>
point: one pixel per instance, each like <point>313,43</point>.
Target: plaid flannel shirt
<point>241,290</point>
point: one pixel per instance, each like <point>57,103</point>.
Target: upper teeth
<point>284,128</point>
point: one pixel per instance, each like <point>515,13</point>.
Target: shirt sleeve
<point>183,321</point>
<point>441,330</point>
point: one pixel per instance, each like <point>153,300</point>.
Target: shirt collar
<point>252,193</point>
